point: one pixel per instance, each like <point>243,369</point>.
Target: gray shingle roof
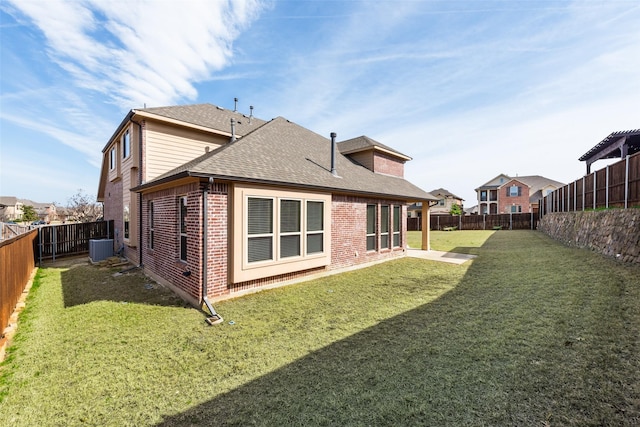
<point>362,143</point>
<point>282,152</point>
<point>445,193</point>
<point>209,116</point>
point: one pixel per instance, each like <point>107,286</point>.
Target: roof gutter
<point>188,174</point>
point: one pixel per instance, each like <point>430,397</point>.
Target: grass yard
<point>529,333</point>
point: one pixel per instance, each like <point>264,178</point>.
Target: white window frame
<point>126,222</point>
<point>151,225</point>
<point>112,158</point>
<point>183,237</point>
<point>126,144</point>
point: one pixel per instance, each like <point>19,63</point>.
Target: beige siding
<point>365,158</point>
<point>168,147</point>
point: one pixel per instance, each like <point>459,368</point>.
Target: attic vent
<point>219,107</point>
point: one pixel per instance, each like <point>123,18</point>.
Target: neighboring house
<point>504,194</point>
<point>446,200</point>
<point>46,212</point>
<point>443,205</point>
<point>11,208</point>
<point>213,209</point>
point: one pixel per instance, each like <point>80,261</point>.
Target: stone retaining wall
<point>614,232</point>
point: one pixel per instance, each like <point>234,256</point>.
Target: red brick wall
<point>113,210</point>
<point>164,260</point>
<point>348,240</point>
<point>218,244</point>
<point>383,163</point>
<point>349,231</point>
<point>506,202</point>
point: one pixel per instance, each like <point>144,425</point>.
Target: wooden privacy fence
<point>516,221</point>
<point>615,186</point>
<point>17,262</point>
<point>56,241</point>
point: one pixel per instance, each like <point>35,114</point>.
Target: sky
<point>468,89</point>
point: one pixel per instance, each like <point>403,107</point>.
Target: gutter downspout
<point>215,317</point>
<point>140,265</point>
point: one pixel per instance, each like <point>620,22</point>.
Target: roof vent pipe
<point>235,105</point>
<point>233,130</point>
<point>333,154</point>
<point>250,113</point>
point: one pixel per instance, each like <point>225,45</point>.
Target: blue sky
<point>468,89</point>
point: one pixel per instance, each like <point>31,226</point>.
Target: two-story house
<point>504,194</point>
<point>213,203</point>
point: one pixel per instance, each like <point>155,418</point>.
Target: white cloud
<point>131,52</point>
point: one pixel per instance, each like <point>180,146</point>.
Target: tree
<point>456,210</point>
<point>81,207</point>
<point>29,213</point>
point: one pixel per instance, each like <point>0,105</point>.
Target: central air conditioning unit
<point>100,249</point>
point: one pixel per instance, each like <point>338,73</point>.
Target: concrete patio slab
<point>449,257</point>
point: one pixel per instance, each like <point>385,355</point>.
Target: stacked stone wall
<point>614,232</point>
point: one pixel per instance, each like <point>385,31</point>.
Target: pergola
<point>617,145</point>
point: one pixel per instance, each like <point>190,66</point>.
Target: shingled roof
<point>283,153</point>
<point>208,116</point>
<point>363,143</point>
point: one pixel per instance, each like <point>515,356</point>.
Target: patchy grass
<point>529,333</point>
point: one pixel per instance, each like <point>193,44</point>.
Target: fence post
<point>626,183</point>
<point>594,190</point>
<point>460,222</point>
<point>53,240</point>
<point>606,186</point>
<point>575,195</point>
<point>583,192</point>
<point>484,221</point>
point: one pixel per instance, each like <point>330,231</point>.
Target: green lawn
<point>529,333</point>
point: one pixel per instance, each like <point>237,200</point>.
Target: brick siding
<point>388,165</point>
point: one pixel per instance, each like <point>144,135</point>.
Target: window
<point>371,228</point>
<point>315,227</point>
<point>396,226</point>
<point>276,227</point>
<point>112,159</point>
<point>514,191</point>
<point>290,233</point>
<point>384,226</point>
<point>125,218</point>
<point>151,226</point>
<point>483,196</point>
<point>516,208</point>
<point>441,202</point>
<point>126,144</point>
<point>260,229</point>
<point>183,227</point>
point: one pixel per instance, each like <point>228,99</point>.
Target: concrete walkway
<point>449,257</point>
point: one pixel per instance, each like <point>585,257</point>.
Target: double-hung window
<point>260,229</point>
<point>183,227</point>
<point>371,228</point>
<point>396,226</point>
<point>290,231</point>
<point>125,218</point>
<point>151,226</point>
<point>384,227</point>
<point>280,228</point>
<point>514,191</point>
<point>112,158</point>
<point>315,227</point>
<point>126,144</point>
